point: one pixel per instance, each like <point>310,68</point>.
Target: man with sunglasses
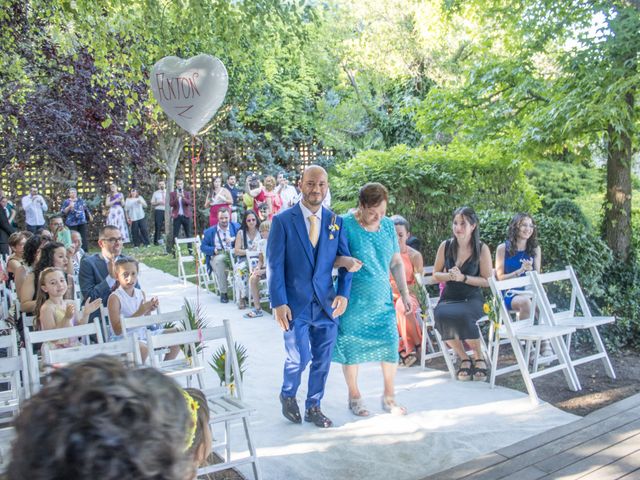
<point>97,272</point>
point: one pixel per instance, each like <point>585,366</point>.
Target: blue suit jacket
<point>208,241</point>
<point>92,278</point>
<point>295,276</point>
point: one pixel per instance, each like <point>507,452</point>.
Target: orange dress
<point>409,327</point>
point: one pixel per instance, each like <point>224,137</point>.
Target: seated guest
<point>128,301</point>
<point>17,241</point>
<point>53,254</point>
<point>464,264</point>
<point>98,419</point>
<point>246,239</point>
<point>520,254</point>
<point>30,257</point>
<point>78,251</point>
<point>97,272</point>
<point>259,272</point>
<point>217,242</point>
<point>54,311</point>
<point>59,231</point>
<point>409,328</point>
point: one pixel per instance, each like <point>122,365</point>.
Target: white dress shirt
<point>34,208</point>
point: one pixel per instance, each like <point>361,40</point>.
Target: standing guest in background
<point>34,207</point>
<point>116,217</point>
<point>252,184</point>
<point>271,197</point>
<point>464,263</point>
<point>288,194</point>
<point>134,208</point>
<point>5,227</point>
<point>409,327</point>
<point>77,250</point>
<point>181,210</point>
<point>218,198</point>
<point>236,196</point>
<point>77,216</point>
<point>58,230</point>
<point>216,243</point>
<point>158,203</point>
<point>11,210</point>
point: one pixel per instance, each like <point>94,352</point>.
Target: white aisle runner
<point>448,423</point>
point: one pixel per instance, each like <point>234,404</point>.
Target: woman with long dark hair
<point>247,239</point>
<point>463,263</point>
<point>519,254</point>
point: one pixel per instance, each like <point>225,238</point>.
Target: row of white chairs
<point>24,371</point>
<point>557,326</point>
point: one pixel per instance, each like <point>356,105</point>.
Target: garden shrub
<point>426,186</point>
<point>554,180</point>
<point>569,210</point>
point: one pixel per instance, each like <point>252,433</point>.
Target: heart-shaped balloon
<point>190,91</point>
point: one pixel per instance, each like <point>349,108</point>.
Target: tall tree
<point>548,76</point>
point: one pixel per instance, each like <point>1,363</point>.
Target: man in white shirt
<point>158,204</point>
<point>287,193</point>
<point>34,207</point>
<point>134,208</point>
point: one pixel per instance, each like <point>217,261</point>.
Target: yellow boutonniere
<point>333,227</point>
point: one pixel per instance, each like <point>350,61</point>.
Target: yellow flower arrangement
<point>333,227</point>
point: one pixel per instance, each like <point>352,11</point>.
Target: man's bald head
<point>314,186</point>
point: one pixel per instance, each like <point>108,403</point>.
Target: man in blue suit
<point>217,241</point>
<point>97,272</point>
<point>302,248</point>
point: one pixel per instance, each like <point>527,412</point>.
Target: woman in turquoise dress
<point>367,331</point>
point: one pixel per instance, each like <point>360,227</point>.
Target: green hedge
<point>426,186</point>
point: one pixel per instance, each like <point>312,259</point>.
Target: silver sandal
<point>356,405</point>
<point>389,405</point>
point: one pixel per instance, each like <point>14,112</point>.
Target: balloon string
<point>194,207</point>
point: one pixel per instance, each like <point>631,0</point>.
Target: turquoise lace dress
<point>367,331</point>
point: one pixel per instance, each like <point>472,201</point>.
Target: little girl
<point>54,311</point>
<point>128,301</point>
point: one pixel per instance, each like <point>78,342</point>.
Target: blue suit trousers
<point>310,338</point>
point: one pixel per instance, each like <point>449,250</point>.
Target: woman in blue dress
<point>514,258</point>
<point>367,331</point>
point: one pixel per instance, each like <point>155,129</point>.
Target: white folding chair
<point>14,376</point>
<point>225,407</point>
<point>32,339</point>
<point>570,318</point>
<point>187,259</point>
<point>529,333</point>
<point>126,348</point>
<point>430,334</point>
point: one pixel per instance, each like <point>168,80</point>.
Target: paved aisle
<point>449,422</point>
